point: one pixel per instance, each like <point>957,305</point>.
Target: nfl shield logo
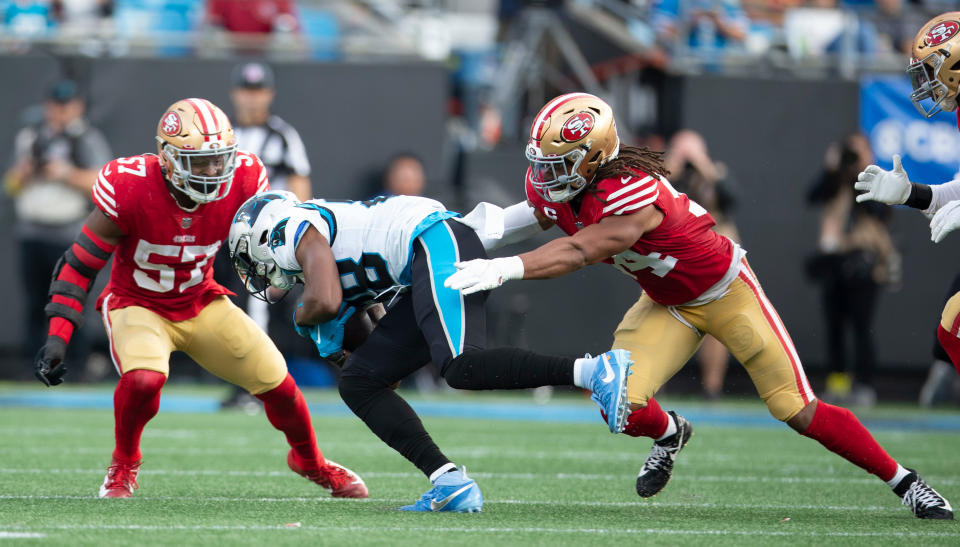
<point>185,222</point>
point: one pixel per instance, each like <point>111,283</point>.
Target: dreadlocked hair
<point>630,160</point>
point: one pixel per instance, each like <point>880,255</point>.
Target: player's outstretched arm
<point>496,226</point>
<point>72,277</point>
<point>322,294</point>
<point>610,236</point>
<point>894,188</point>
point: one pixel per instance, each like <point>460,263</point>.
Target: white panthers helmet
<point>251,232</point>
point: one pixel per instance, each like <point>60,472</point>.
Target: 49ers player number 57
<point>163,217</point>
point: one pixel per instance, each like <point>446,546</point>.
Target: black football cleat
<point>924,501</point>
<point>656,471</point>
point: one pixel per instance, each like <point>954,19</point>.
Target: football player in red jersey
<point>163,217</point>
<point>616,207</point>
<point>937,80</point>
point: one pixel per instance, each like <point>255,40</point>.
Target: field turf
<point>219,478</point>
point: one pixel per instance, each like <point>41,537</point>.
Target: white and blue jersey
<point>372,241</point>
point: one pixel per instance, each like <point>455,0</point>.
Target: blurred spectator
<point>704,25</point>
<point>253,16</point>
<point>856,258</point>
<point>694,173</point>
<point>279,147</point>
<point>55,166</point>
<point>252,22</point>
<point>895,24</point>
<point>86,26</point>
<point>80,16</point>
<point>27,18</point>
<point>404,176</point>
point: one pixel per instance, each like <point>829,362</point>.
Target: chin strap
<point>72,277</point>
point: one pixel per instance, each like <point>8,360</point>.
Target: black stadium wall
<point>772,134</point>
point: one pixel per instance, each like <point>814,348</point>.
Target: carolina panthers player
<point>350,255</point>
<point>938,80</point>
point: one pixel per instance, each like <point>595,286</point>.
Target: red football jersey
<point>674,263</point>
<point>165,262</point>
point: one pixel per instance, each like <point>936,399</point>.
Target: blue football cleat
<point>610,387</point>
<point>452,492</point>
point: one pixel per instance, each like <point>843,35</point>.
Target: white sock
<point>441,470</point>
<point>671,428</point>
<point>898,476</point>
<point>583,369</point>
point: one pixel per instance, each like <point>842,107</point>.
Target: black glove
<point>49,367</point>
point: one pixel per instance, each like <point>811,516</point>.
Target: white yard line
<point>497,530</point>
<point>20,535</point>
<point>935,479</point>
<point>893,508</point>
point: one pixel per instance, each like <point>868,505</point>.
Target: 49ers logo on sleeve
<point>171,124</point>
<point>942,32</point>
<point>577,127</point>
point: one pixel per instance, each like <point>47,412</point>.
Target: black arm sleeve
<point>920,196</point>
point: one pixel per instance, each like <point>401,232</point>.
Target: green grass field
<point>220,479</point>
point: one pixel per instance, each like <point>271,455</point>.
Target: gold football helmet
<point>197,149</point>
<point>935,67</point>
<point>571,137</point>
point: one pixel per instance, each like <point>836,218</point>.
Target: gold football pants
<point>662,339</point>
<point>221,338</point>
<point>950,318</point>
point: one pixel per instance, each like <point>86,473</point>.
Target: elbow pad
<point>72,277</point>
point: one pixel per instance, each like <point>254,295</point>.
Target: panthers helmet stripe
<point>548,110</point>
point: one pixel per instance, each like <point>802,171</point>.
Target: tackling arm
<point>610,236</point>
<point>596,242</point>
<point>72,277</point>
<point>497,227</point>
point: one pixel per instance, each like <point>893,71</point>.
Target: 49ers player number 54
<point>616,206</point>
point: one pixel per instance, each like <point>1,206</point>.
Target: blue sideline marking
<point>509,411</point>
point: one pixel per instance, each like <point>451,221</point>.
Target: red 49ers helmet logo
<point>577,127</point>
<point>170,125</point>
<point>942,32</point>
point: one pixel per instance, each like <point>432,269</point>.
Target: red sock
<point>951,344</point>
<point>288,412</point>
<point>135,401</point>
<point>841,432</point>
<point>649,421</point>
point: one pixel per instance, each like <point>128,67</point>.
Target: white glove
<point>945,221</point>
<point>482,275</point>
<point>890,187</point>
